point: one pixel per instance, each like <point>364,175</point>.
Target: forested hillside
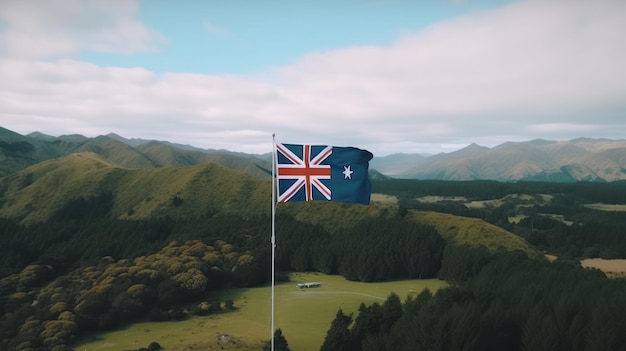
<point>556,217</point>
<point>86,257</point>
<point>506,303</point>
<point>87,243</point>
<point>501,300</point>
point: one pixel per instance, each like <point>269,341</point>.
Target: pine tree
<point>338,337</point>
<point>280,342</point>
<point>391,311</point>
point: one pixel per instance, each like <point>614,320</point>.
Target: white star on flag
<point>347,172</point>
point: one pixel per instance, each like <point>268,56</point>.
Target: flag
<point>319,172</point>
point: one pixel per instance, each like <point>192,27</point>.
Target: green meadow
<point>304,315</point>
<point>607,207</point>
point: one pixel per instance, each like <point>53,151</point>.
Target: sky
<point>389,76</point>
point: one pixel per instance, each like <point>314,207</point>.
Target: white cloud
<point>535,54</point>
<point>534,67</point>
<point>58,28</point>
<point>556,128</point>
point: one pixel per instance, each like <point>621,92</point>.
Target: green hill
<point>116,152</point>
<point>18,152</point>
<point>87,238</point>
<point>464,231</point>
<point>36,193</point>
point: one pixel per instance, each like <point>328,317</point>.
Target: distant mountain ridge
<point>18,152</point>
<point>581,159</point>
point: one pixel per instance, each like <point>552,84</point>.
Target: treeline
<point>43,313</point>
<point>83,232</point>
<point>563,225</point>
<point>84,271</point>
<point>590,234</point>
<point>407,189</point>
<point>375,249</point>
<point>508,302</point>
<point>70,244</point>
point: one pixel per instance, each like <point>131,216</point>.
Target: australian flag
<point>318,172</point>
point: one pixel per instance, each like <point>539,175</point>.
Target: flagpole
<point>273,238</point>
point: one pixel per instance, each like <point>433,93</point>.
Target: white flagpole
<point>273,239</point>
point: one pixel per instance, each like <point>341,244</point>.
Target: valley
<point>104,238</point>
<point>303,315</point>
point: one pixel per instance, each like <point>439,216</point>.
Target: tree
<point>280,342</point>
<point>339,337</point>
<point>391,311</point>
<point>367,322</point>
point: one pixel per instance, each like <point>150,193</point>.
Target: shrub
<point>29,325</point>
<point>67,316</point>
<point>59,329</point>
<point>193,281</point>
<point>58,307</point>
<point>136,291</point>
<point>34,275</point>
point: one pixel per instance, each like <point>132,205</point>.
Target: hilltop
<point>595,160</point>
<point>41,191</point>
<point>582,159</point>
<point>18,152</point>
<point>106,231</point>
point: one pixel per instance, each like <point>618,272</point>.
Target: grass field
<point>612,268</point>
<point>607,207</point>
<point>303,315</point>
<point>557,217</point>
<point>431,199</point>
<point>384,199</point>
<point>517,218</point>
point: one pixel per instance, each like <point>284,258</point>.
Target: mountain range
<point>582,159</point>
<point>21,151</point>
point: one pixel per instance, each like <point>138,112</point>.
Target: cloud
<point>555,128</point>
<point>530,55</point>
<point>553,68</point>
<point>60,28</point>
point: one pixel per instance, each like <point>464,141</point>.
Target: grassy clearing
<point>384,199</point>
<point>431,199</point>
<point>607,207</point>
<point>557,217</point>
<point>517,218</point>
<point>522,200</point>
<point>607,266</point>
<point>551,258</point>
<point>303,315</point>
<point>485,203</point>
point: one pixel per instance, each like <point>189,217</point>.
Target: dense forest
<point>82,270</point>
<point>503,302</point>
<point>563,226</point>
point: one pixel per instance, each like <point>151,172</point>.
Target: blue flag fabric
<point>320,172</point>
